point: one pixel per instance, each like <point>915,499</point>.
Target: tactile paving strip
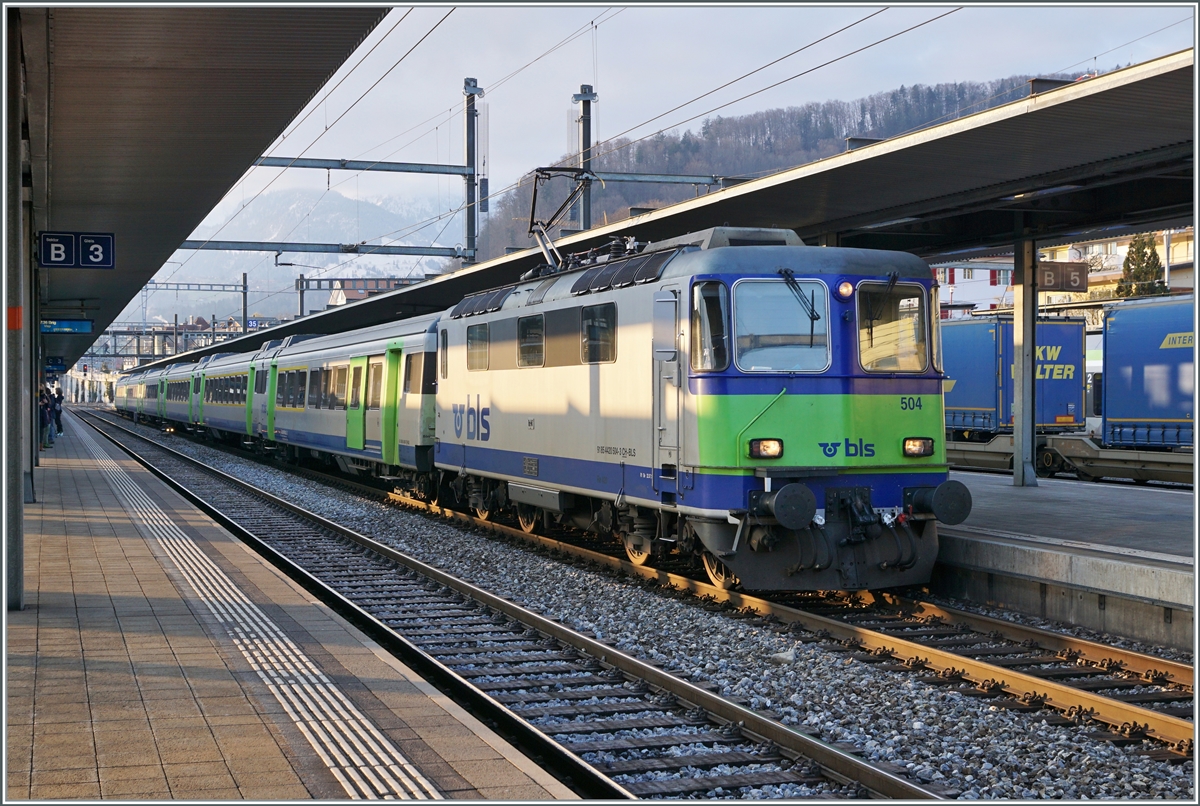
<point>364,760</point>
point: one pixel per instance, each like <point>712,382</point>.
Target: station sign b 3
<point>76,250</point>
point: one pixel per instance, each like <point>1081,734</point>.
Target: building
<point>986,283</point>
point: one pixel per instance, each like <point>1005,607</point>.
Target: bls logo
<point>852,449</point>
<point>476,417</point>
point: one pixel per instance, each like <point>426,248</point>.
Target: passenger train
<point>772,409</point>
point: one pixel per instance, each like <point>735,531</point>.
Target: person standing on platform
<point>44,419</point>
<point>58,401</point>
<point>50,413</point>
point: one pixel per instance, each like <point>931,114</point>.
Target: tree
<point>1142,271</point>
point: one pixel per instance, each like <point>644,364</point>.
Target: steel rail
<point>1178,673</point>
<point>581,776</point>
<point>838,765</point>
<point>1163,727</point>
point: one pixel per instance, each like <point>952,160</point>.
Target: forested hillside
<point>749,145</point>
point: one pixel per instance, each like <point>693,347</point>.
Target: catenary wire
<point>722,106</point>
<point>326,131</point>
<point>600,20</point>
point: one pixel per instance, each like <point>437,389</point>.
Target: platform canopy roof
<point>141,119</point>
<point>1087,160</point>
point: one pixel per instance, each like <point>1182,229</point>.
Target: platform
<point>1112,557</point>
<point>158,657</point>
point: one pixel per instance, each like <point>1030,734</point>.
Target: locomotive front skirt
<point>773,409</point>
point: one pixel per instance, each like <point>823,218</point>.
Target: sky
<point>399,96</point>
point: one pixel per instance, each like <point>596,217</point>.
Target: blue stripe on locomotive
<point>693,490</point>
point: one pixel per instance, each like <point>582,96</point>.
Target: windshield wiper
<point>873,315</point>
<point>809,305</point>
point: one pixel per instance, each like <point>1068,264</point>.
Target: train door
<point>373,399</point>
<point>388,433</point>
<point>666,390</point>
<point>162,400</point>
<point>198,397</point>
<point>272,383</point>
<point>355,404</point>
<point>258,409</point>
<point>248,399</point>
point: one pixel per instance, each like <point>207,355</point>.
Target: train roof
<point>400,328</point>
<point>708,252</point>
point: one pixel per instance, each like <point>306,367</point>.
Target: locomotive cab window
<point>599,336</point>
<point>781,325</point>
<point>477,347</point>
<point>531,341</point>
<point>710,317</point>
<point>892,327</point>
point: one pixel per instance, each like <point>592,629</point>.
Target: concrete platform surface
<point>1117,516</point>
<point>158,658</point>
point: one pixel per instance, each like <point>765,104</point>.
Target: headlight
<point>845,289</point>
<point>918,446</point>
<point>766,448</point>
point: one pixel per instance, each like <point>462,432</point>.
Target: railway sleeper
<point>507,670</point>
<point>637,723</point>
<point>733,758</point>
<point>714,737</point>
<point>534,682</point>
<point>510,644</point>
<point>1155,696</point>
<point>589,709</point>
<point>685,786</point>
<point>503,658</point>
<point>530,697</point>
<point>466,640</point>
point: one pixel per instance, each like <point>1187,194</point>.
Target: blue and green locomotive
<point>773,409</point>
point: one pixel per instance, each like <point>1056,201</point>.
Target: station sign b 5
<point>76,250</point>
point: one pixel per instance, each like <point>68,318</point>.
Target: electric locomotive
<point>771,409</point>
<point>774,408</point>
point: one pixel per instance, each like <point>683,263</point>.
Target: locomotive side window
<point>531,341</point>
<point>710,315</point>
<point>892,325</point>
<point>935,327</point>
<point>280,388</point>
<point>781,326</point>
<point>599,336</point>
<point>408,373</point>
<point>445,353</point>
<point>477,347</point>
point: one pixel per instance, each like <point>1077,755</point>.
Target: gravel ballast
<point>938,735</point>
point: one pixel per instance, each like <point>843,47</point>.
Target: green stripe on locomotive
<point>856,424</point>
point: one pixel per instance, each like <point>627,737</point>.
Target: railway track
<point>610,724</point>
<point>1126,696</point>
